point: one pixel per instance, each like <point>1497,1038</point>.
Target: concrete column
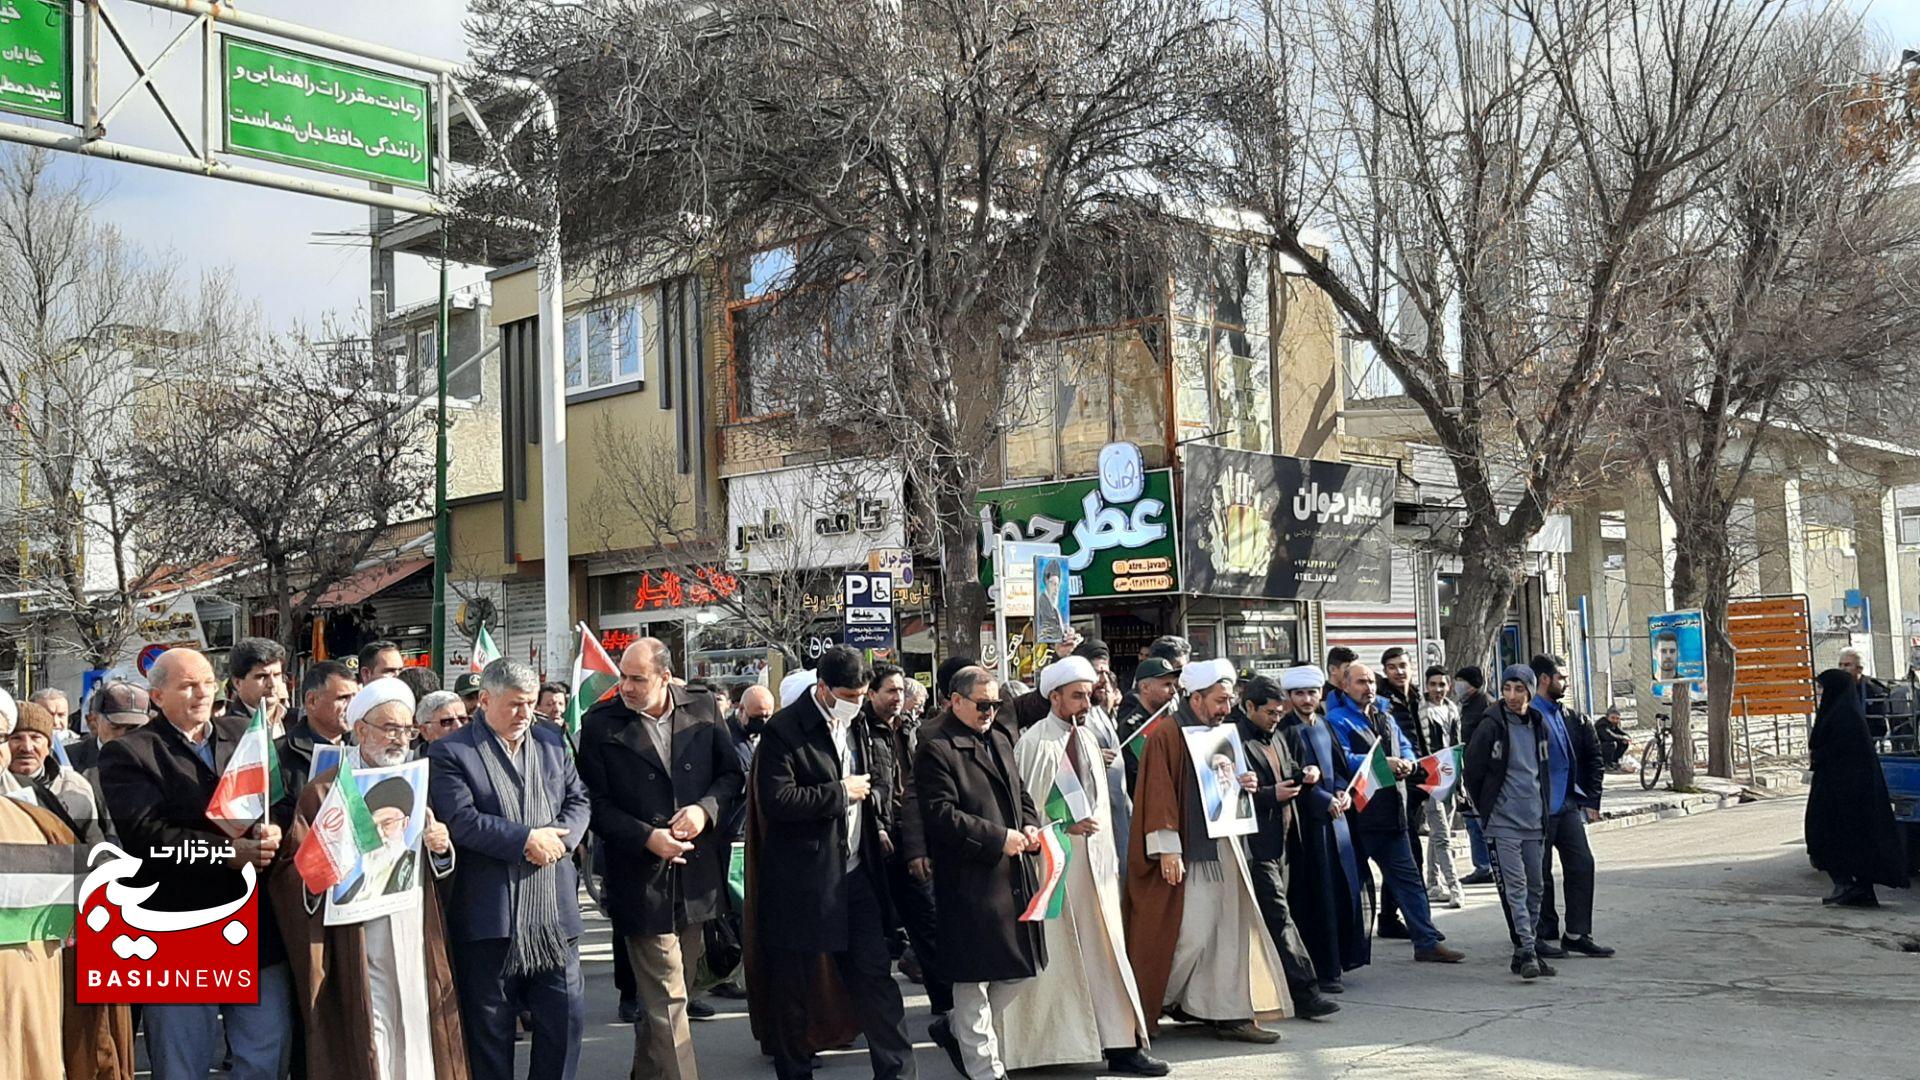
<point>1780,534</point>
<point>1586,577</point>
<point>1650,550</point>
<point>1877,557</point>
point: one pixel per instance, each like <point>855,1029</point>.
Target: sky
<point>272,241</point>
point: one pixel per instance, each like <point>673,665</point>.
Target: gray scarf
<point>539,943</point>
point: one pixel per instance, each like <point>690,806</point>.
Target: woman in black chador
<point>1851,833</point>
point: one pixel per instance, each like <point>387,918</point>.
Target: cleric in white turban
<point>1304,677</point>
<point>797,682</point>
<point>1207,674</point>
<point>1073,669</point>
<point>375,694</point>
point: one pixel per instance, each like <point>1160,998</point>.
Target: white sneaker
<point>1455,901</point>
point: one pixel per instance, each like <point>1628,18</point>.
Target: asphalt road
<point>1729,966</point>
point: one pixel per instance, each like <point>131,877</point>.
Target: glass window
<point>573,354</point>
<point>604,345</point>
<point>1140,394</point>
<point>1085,402</point>
<point>1030,407</point>
<point>1243,374</point>
<point>766,273</point>
<point>772,357</point>
<point>1192,390</point>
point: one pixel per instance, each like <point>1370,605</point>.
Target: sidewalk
<point>1626,805</point>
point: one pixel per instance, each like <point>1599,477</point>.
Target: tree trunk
<point>963,603</point>
<point>1489,575</point>
<point>1702,574</point>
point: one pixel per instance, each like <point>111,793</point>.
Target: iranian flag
<point>483,651</point>
<point>594,677</point>
<point>251,781</point>
<point>39,891</point>
<point>1442,772</point>
<point>1067,801</point>
<point>342,831</point>
<point>1374,775</point>
<point>1051,896</point>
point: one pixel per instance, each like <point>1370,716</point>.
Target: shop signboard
<point>36,59</point>
<point>1114,546</point>
<point>867,611</point>
<point>815,517</point>
<point>302,109</point>
<point>1288,528</point>
<point>1772,655</point>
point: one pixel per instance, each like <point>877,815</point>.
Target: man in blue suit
<point>515,809</point>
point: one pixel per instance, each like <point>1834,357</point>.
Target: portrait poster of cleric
<point>386,878</point>
<point>1219,761</point>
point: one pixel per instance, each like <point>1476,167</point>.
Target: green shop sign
<point>304,110</point>
<point>36,58</point>
<point>1113,547</point>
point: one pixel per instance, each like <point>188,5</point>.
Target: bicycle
<point>1654,755</point>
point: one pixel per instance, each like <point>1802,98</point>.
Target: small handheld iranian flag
<point>1055,851</point>
<point>251,781</point>
<point>342,831</point>
<point>1067,800</point>
<point>483,651</point>
<point>594,677</point>
<point>1374,775</point>
<point>1443,772</point>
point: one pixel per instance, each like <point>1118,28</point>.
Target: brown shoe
<point>1246,1031</point>
<point>1439,954</point>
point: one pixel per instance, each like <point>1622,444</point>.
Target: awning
<point>364,584</point>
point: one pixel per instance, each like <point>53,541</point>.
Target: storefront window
<point>1140,394</point>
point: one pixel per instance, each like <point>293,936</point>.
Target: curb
<point>1672,807</point>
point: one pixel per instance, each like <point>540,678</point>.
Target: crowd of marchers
<point>1039,859</point>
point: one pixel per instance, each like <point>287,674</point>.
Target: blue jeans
<point>1389,850</point>
<point>1477,841</point>
<point>183,1041</point>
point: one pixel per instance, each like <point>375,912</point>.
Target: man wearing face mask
<point>817,845</point>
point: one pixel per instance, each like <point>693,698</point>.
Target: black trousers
<point>491,1004</point>
<point>866,971</point>
<point>913,902</point>
<point>623,972</point>
<point>1567,834</point>
<point>1270,892</point>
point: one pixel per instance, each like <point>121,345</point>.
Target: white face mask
<point>843,711</point>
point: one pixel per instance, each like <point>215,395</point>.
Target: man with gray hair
<point>439,714</point>
<point>515,808</point>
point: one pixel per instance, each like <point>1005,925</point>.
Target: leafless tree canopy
<point>920,168</point>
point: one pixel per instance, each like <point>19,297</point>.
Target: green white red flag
<point>251,781</point>
<point>342,831</point>
<point>483,651</point>
<point>1442,772</point>
<point>1373,775</point>
<point>1056,849</point>
<point>39,891</point>
<point>1137,742</point>
<point>595,677</point>
<point>1067,800</point>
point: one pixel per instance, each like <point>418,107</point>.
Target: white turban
<point>795,684</point>
<point>375,694</point>
<point>9,713</point>
<point>1304,677</point>
<point>1206,674</point>
<point>1062,672</point>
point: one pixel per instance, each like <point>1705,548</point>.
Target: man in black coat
<point>909,873</point>
<point>1575,747</point>
<point>1475,706</point>
<point>325,692</point>
<point>662,772</point>
<point>821,797</point>
<point>158,782</point>
<point>1399,697</point>
<point>979,822</point>
<point>1282,779</point>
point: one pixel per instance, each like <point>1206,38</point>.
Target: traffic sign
<point>867,610</point>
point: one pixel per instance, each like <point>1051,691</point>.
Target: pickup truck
<point>1903,787</point>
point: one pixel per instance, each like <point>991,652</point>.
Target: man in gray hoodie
<point>1505,771</point>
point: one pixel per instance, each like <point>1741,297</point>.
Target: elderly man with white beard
<point>1083,1006</point>
<point>377,996</point>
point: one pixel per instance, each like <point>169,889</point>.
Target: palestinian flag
<point>1374,775</point>
<point>1067,801</point>
<point>1051,896</point>
<point>1442,772</point>
<point>1136,743</point>
<point>251,781</point>
<point>342,831</point>
<point>483,651</point>
<point>737,873</point>
<point>594,677</point>
<point>39,891</point>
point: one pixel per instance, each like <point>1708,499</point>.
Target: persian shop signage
<point>1287,528</point>
<point>1116,530</point>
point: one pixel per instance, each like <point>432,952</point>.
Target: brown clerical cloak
<point>1153,907</point>
<point>330,969</point>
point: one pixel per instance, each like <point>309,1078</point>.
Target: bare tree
<point>920,167</point>
<point>83,314</point>
<point>299,455</point>
<point>1480,186</point>
<point>1798,268</point>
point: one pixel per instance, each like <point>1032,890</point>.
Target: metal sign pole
<point>1000,606</point>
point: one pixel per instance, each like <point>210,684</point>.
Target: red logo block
<point>127,952</point>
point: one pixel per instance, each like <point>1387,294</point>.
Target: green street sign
<point>301,109</point>
<point>36,58</point>
<point>1126,546</point>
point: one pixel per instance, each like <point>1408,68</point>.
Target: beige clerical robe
<point>1084,1001</point>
